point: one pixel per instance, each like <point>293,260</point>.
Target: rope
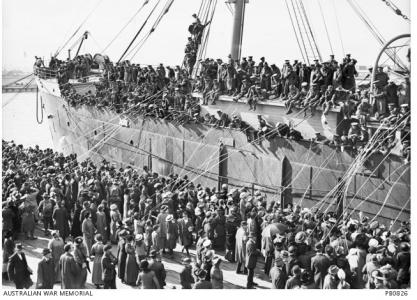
<point>124,27</point>
<point>396,10</point>
<point>338,27</point>
<point>325,26</point>
<point>399,214</point>
<point>311,30</point>
<point>139,31</point>
<point>40,121</point>
<point>202,50</point>
<point>78,28</point>
<point>165,11</point>
<point>374,31</point>
<point>389,193</point>
<point>299,29</point>
<point>295,33</point>
<point>305,29</point>
<point>20,79</point>
<point>17,93</point>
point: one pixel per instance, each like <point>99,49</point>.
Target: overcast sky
<point>40,27</point>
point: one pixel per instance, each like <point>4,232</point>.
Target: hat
<point>300,237</point>
<point>78,240</point>
<point>67,247</point>
<point>207,243</point>
<point>200,273</point>
<point>354,124</point>
<point>291,250</point>
<point>197,211</point>
<point>279,239</point>
<point>279,262</point>
<point>107,247</point>
<point>201,194</point>
<point>139,237</point>
<point>296,270</point>
<point>318,246</point>
<point>284,253</point>
<point>333,269</point>
<point>46,251</point>
<point>153,253</point>
<point>169,218</point>
<point>113,207</point>
<point>373,243</point>
<point>340,250</point>
<point>186,260</point>
<point>304,84</point>
<point>216,259</point>
<point>123,233</point>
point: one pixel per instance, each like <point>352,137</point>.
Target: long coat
<point>319,266</point>
<point>240,250</point>
<point>61,218</point>
<point>251,254</point>
<point>80,256</point>
<point>172,235</point>
<point>115,216</point>
<point>159,271</point>
<point>186,236</point>
<point>101,225</point>
<point>88,234</point>
<point>69,271</point>
<point>57,248</point>
<point>121,258</point>
<point>186,278</point>
<point>97,251</point>
<point>46,274</point>
<point>18,271</point>
<point>131,270</point>
<point>108,265</point>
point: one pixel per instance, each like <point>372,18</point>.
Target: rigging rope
<point>389,193</point>
<point>395,9</point>
<point>139,31</point>
<point>295,33</point>
<point>374,31</point>
<point>338,27</point>
<point>300,32</point>
<point>305,29</point>
<point>325,26</point>
<point>78,28</point>
<point>165,11</point>
<point>124,27</point>
<point>310,30</point>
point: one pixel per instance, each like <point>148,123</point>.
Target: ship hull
<point>297,172</point>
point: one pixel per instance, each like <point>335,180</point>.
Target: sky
<point>40,27</point>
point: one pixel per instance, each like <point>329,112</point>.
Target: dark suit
<point>18,271</point>
<point>186,278</point>
<point>159,270</point>
<point>46,274</point>
<point>319,266</point>
<point>108,263</point>
<point>251,259</point>
<point>278,277</point>
<point>69,271</point>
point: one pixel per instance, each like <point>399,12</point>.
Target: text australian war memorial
<point>216,173</point>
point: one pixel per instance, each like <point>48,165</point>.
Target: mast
<point>238,21</point>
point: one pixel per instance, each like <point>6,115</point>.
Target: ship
<point>294,172</point>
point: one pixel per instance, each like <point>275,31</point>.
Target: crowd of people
<point>87,208</point>
<point>167,92</point>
